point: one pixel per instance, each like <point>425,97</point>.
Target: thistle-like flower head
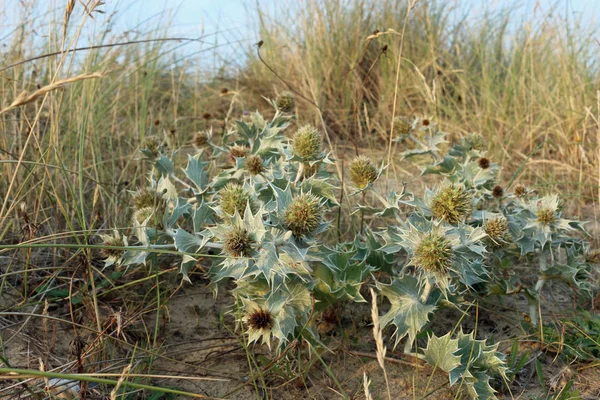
<point>520,190</point>
<point>149,216</point>
<point>286,102</point>
<point>497,230</point>
<point>237,152</point>
<point>145,197</point>
<point>452,204</point>
<point>433,253</point>
<point>153,145</point>
<point>111,255</point>
<point>362,172</point>
<point>254,164</point>
<point>307,143</point>
<point>303,215</point>
<point>498,192</point>
<point>234,197</point>
<point>484,163</point>
<point>402,127</point>
<point>201,139</point>
<point>476,141</point>
<point>238,242</point>
<point>260,321</point>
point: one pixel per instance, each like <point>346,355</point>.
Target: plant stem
<point>534,304</point>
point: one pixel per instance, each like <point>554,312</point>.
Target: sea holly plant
<point>253,207</point>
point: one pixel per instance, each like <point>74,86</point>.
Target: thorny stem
<point>535,303</point>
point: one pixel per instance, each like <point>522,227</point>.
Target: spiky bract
<point>452,204</point>
<point>113,241</point>
<point>260,319</point>
<point>234,197</point>
<point>303,215</point>
<point>238,242</point>
<point>362,172</point>
<point>307,143</point>
<point>286,102</point>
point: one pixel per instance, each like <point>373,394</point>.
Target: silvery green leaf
<point>196,172</point>
<point>441,352</point>
<point>446,166</point>
<point>430,145</point>
<point>407,312</point>
<point>187,242</point>
<point>202,215</point>
<point>320,188</point>
<point>164,165</point>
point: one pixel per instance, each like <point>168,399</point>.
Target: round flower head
<point>152,214</point>
<point>433,253</point>
<point>144,198</point>
<point>286,102</point>
<point>546,215</point>
<point>484,163</point>
<point>153,144</point>
<point>115,240</point>
<point>362,172</point>
<point>520,190</point>
<point>237,152</point>
<point>497,191</point>
<point>402,126</point>
<point>307,143</point>
<point>310,170</point>
<point>254,164</point>
<point>303,215</point>
<point>238,242</point>
<point>496,228</point>
<point>201,139</point>
<point>476,141</point>
<point>260,322</point>
<point>234,197</point>
<point>452,204</point>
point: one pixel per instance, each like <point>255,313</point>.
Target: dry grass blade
<point>115,391</point>
<point>26,98</point>
<point>366,384</point>
<point>68,12</point>
<point>377,334</point>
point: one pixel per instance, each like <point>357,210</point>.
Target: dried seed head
<point>260,319</point>
<point>303,215</point>
<point>254,164</point>
<point>497,191</point>
<point>153,144</point>
<point>452,204</point>
<point>286,102</point>
<point>201,139</point>
<point>234,197</point>
<point>402,126</point>
<point>433,253</point>
<point>520,190</point>
<point>425,122</point>
<point>144,198</point>
<point>237,152</point>
<point>307,143</point>
<point>496,228</point>
<point>114,241</point>
<point>238,242</point>
<point>546,216</point>
<point>477,141</point>
<point>206,115</point>
<point>484,163</point>
<point>362,172</point>
<point>593,257</point>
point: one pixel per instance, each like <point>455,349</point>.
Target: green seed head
<point>477,141</point>
<point>303,215</point>
<point>545,216</point>
<point>286,102</point>
<point>234,197</point>
<point>496,228</point>
<point>307,143</point>
<point>260,319</point>
<point>402,126</point>
<point>140,215</point>
<point>144,198</point>
<point>362,172</point>
<point>238,242</point>
<point>201,139</point>
<point>452,204</point>
<point>254,164</point>
<point>433,253</point>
